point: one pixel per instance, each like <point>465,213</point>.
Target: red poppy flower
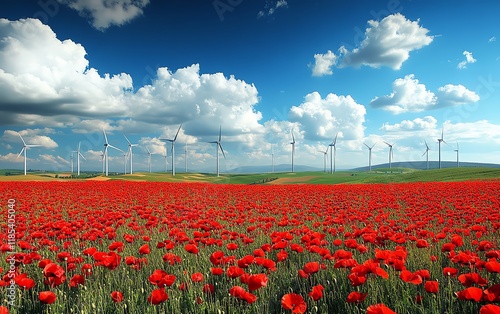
<point>232,246</point>
<point>450,271</point>
<point>157,296</point>
<point>76,280</point>
<point>431,286</point>
<point>294,302</point>
<point>311,267</point>
<point>492,294</point>
<point>237,291</point>
<point>471,293</point>
<point>408,276</point>
<point>379,309</point>
<point>116,246</point>
<point>469,279</point>
<point>217,271</point>
<point>47,297</point>
<point>492,266</point>
<point>234,271</point>
<point>197,277</point>
<point>54,274</point>
<point>356,297</point>
<point>4,310</point>
<point>317,292</point>
<point>191,248</point>
<point>489,309</point>
<point>116,296</point>
<point>245,261</point>
<point>112,260</point>
<point>144,249</point>
<point>257,281</point>
<point>208,288</point>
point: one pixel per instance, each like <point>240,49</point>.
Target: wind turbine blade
<point>222,150</point>
<point>387,143</point>
<point>22,150</point>
<point>373,145</point>
<point>423,154</point>
<point>148,150</point>
<point>220,133</point>
<point>127,140</point>
<point>116,148</point>
<point>21,138</point>
<point>81,155</point>
<point>335,140</point>
<point>33,145</point>
<point>105,137</point>
<point>180,126</point>
<point>366,145</point>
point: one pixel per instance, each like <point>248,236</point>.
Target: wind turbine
<point>369,156</point>
<point>78,155</point>
<point>173,147</point>
<point>165,156</point>
<point>272,158</point>
<point>391,155</point>
<point>149,158</point>
<point>427,149</point>
<point>333,154</point>
<point>130,145</point>
<point>293,147</point>
<point>71,159</point>
<point>219,146</point>
<point>105,152</point>
<point>24,149</point>
<point>325,156</point>
<point>458,163</point>
<point>186,158</point>
<point>439,143</point>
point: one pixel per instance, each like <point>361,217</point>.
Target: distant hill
<point>277,168</point>
<point>422,165</point>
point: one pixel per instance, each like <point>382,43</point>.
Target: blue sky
<point>372,71</point>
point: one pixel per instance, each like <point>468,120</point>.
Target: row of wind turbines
<point>128,155</point>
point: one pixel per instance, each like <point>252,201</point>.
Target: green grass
<point>376,176</point>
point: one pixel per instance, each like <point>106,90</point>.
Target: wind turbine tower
<point>105,152</point>
<point>149,158</point>
<point>24,149</point>
<point>272,158</point>
<point>219,146</point>
<point>173,148</point>
<point>391,154</point>
<point>78,155</point>
<point>427,149</point>
<point>439,143</point>
<point>369,156</point>
<point>458,162</point>
<point>165,156</point>
<point>333,153</point>
<point>130,145</point>
<point>293,147</point>
<point>186,158</point>
<point>325,157</point>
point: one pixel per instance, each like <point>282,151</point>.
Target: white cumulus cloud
<point>323,63</point>
<point>409,95</point>
<point>105,13</point>
<point>468,59</point>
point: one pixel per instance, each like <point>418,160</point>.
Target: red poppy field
<point>150,247</point>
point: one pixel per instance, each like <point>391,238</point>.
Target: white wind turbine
<point>439,143</point>
<point>427,149</point>
<point>458,163</point>
<point>24,149</point>
<point>325,157</point>
<point>293,147</point>
<point>186,158</point>
<point>391,154</point>
<point>369,156</point>
<point>219,146</point>
<point>149,158</point>
<point>272,158</point>
<point>71,157</point>
<point>106,152</point>
<point>78,155</point>
<point>173,148</point>
<point>130,145</point>
<point>166,156</point>
<point>333,154</point>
